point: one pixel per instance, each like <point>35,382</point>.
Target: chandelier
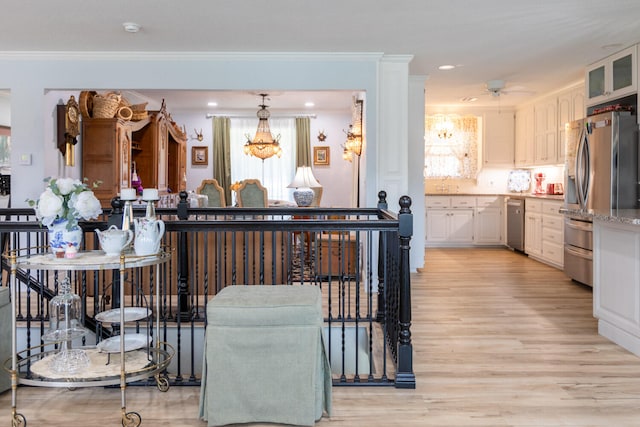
<point>444,128</point>
<point>263,144</point>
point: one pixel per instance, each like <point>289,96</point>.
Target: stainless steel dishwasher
<point>515,223</point>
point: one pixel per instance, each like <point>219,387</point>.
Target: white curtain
<point>455,156</point>
<point>275,173</point>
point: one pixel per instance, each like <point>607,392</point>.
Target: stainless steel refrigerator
<point>601,173</point>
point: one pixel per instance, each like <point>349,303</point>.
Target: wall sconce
<point>346,154</point>
<point>354,134</point>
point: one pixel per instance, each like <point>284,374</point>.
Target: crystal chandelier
<point>445,128</point>
<point>263,144</point>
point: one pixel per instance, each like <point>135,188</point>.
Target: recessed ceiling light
<point>309,104</point>
<point>212,104</point>
<point>131,27</point>
<point>446,67</point>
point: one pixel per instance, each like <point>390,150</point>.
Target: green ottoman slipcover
<point>264,358</point>
<point>5,336</point>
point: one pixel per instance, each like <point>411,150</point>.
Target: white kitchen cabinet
<point>499,136</point>
<point>532,233</point>
<point>461,226</point>
<point>616,282</point>
<point>488,226</point>
<point>453,226</point>
<point>544,231</point>
<point>552,233</point>
<point>613,77</point>
<point>546,131</point>
<point>464,220</point>
<point>437,225</point>
<point>570,107</point>
<point>437,202</point>
<point>449,220</point>
<point>524,147</point>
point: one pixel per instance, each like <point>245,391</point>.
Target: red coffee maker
<point>539,187</point>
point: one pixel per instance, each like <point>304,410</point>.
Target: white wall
<point>332,177</point>
<point>335,177</point>
<point>28,76</point>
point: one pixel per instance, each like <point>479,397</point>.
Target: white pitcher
<point>149,232</point>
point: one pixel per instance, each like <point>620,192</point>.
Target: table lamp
<point>303,182</point>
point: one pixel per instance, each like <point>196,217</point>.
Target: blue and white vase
<point>60,238</point>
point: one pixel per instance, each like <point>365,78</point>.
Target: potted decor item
<point>61,205</point>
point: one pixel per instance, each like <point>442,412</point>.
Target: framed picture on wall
<point>321,156</point>
<point>200,156</point>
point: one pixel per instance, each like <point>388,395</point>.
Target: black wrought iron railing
<point>358,257</point>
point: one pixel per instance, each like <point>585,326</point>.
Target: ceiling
<point>535,47</point>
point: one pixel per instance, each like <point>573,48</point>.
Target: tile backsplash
<point>489,181</point>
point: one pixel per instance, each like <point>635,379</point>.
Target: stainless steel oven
<point>578,250</point>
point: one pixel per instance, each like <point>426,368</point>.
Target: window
<point>274,173</point>
<point>451,147</point>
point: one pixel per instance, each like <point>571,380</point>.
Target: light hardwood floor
<point>499,340</point>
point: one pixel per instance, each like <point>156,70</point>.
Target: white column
<point>393,143</point>
<point>416,167</point>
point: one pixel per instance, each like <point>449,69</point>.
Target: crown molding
<point>195,56</point>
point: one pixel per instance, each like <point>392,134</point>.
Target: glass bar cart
<point>157,354</point>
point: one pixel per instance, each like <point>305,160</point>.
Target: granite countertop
<point>463,194</point>
<point>622,216</point>
<point>519,195</point>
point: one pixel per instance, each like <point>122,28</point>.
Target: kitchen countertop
<point>622,216</point>
<point>463,194</point>
<point>515,195</point>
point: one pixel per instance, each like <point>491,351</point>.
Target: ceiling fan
<point>496,88</point>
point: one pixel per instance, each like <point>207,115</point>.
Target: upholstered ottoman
<point>264,356</point>
<point>5,336</point>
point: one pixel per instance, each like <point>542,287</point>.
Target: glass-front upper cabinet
<point>613,77</point>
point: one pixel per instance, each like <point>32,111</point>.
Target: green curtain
<point>221,154</point>
<point>303,141</point>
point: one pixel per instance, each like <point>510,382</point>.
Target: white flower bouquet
<point>66,199</point>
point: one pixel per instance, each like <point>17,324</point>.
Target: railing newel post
<point>184,310</point>
<point>382,205</point>
<point>405,377</point>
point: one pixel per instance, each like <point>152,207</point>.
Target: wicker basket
<point>139,111</point>
<point>124,113</point>
<point>139,108</point>
<point>86,103</point>
<point>105,106</point>
<point>139,115</point>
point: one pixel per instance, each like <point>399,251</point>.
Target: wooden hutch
<point>155,145</point>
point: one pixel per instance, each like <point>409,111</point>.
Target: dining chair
<point>251,194</point>
<point>213,190</point>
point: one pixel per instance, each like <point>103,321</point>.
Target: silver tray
<point>131,342</point>
<point>131,314</point>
